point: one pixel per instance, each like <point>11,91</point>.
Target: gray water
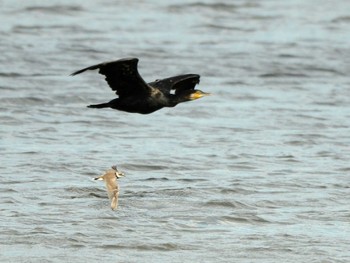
<point>258,172</point>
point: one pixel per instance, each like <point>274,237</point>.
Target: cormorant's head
<point>196,94</point>
<point>188,95</point>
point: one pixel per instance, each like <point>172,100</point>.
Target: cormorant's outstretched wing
<point>122,76</point>
<point>177,83</point>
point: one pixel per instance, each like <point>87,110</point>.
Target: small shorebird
<point>110,177</point>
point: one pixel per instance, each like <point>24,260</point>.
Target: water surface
<point>258,172</point>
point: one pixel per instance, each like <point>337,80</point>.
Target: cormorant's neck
<point>176,99</point>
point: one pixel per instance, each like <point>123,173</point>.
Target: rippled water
<point>258,172</point>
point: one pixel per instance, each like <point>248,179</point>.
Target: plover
<point>110,177</point>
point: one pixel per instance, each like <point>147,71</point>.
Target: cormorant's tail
<point>99,106</point>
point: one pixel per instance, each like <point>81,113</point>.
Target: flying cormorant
<point>135,95</point>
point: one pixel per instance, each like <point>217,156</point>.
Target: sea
<point>257,172</point>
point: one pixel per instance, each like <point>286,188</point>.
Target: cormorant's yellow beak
<point>198,94</point>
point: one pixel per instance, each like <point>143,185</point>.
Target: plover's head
<point>118,174</point>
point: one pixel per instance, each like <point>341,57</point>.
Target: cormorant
<point>110,177</point>
<point>135,95</point>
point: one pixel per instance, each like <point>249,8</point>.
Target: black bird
<point>135,95</point>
